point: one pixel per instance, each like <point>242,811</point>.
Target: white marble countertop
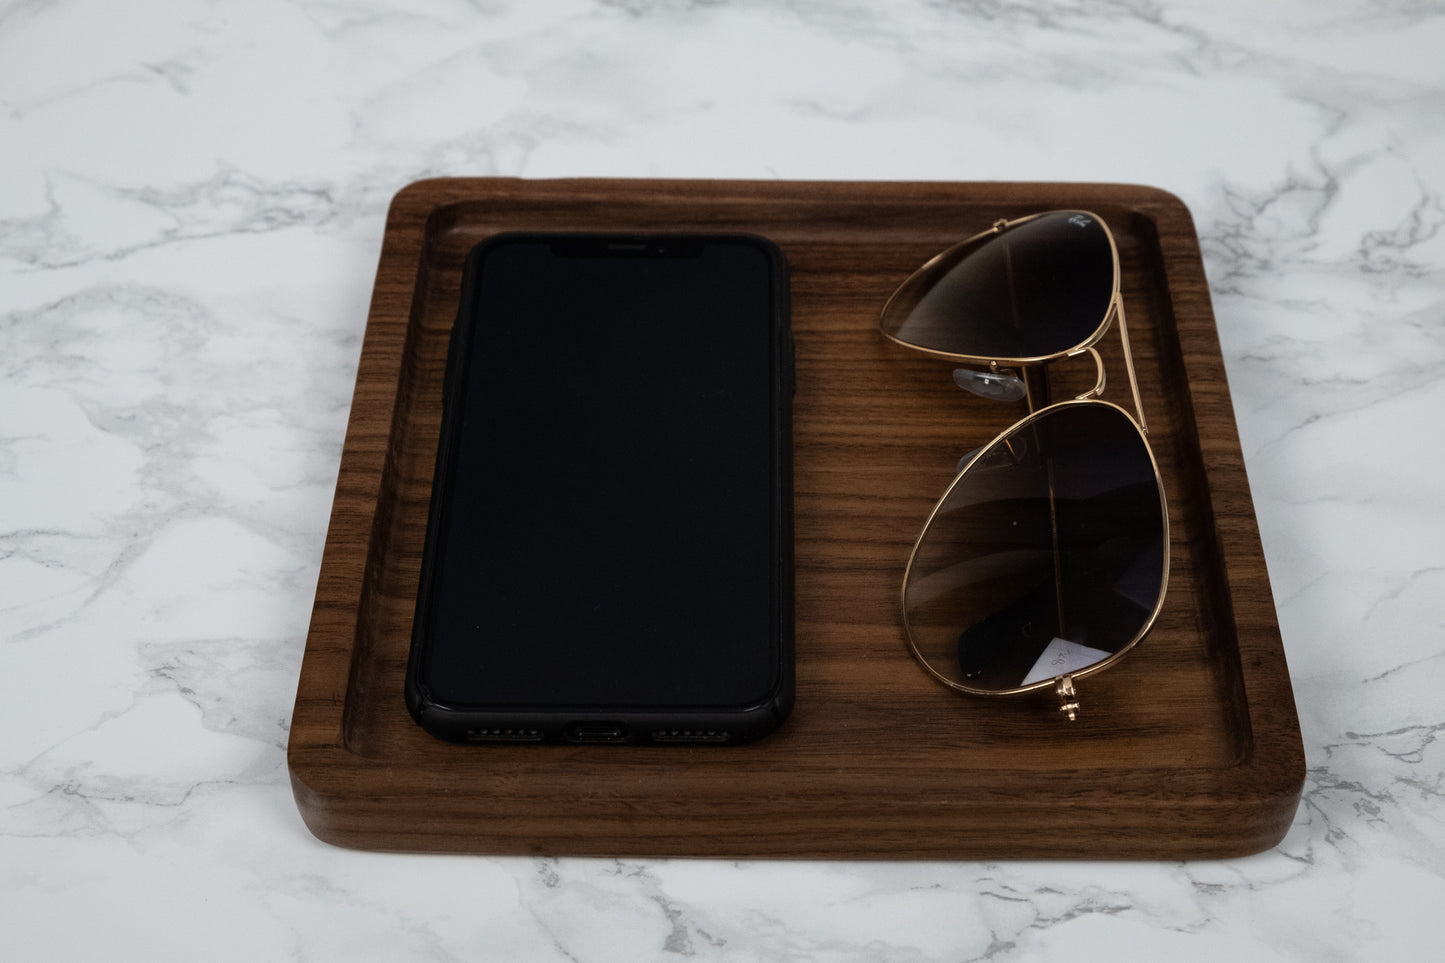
<point>192,196</point>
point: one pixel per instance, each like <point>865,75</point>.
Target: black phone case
<point>602,724</point>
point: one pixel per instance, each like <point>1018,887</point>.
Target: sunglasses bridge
<point>1030,383</point>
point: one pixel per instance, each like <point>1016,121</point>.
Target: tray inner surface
<point>877,758</point>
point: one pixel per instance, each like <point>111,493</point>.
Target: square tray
<point>1188,748</point>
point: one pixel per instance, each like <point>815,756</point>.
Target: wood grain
<point>1189,748</point>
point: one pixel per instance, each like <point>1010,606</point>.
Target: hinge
<point>1068,698</point>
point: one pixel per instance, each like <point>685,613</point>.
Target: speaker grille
<point>691,735</point>
<point>500,734</point>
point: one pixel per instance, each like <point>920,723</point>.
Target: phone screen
<point>611,518</point>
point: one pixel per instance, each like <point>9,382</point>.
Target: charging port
<point>596,732</point>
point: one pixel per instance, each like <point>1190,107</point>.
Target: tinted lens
<point>1045,557</point>
<point>1040,288</point>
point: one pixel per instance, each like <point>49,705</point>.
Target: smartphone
<point>609,546</point>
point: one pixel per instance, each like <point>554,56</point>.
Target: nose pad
<point>1014,450</point>
<point>994,385</point>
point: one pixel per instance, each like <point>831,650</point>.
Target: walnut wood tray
<point>1188,748</point>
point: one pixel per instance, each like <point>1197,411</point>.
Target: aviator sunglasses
<point>1046,560</point>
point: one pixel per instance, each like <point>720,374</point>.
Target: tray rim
<point>323,769</point>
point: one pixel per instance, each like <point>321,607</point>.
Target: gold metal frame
<point>1063,685</point>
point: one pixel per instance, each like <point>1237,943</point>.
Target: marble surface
<point>192,196</point>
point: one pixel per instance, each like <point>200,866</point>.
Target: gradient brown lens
<point>1045,558</point>
<point>1038,289</point>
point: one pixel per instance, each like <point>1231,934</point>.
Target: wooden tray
<point>1189,748</point>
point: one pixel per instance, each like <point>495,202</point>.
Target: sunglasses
<point>1046,560</point>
